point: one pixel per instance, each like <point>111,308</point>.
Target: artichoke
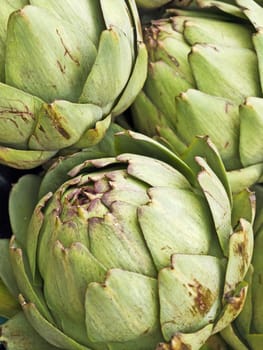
<point>66,69</point>
<point>246,333</point>
<point>125,246</point>
<point>205,77</point>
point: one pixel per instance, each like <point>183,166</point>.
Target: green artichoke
<point>134,250</point>
<point>246,333</point>
<point>205,77</point>
<point>66,68</point>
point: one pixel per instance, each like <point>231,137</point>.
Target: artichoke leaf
<point>124,189</point>
<point>256,284</point>
<point>237,78</point>
<point>168,138</point>
<point>19,109</point>
<point>119,231</point>
<point>50,69</point>
<point>59,172</point>
<point>108,77</point>
<point>84,13</point>
<point>57,125</point>
<point>94,135</point>
<point>24,159</point>
<point>243,322</point>
<point>204,147</point>
<point>18,334</point>
<point>218,201</point>
<point>205,30</point>
<point>22,201</point>
<point>33,228</point>
<point>132,142</point>
<point>140,343</point>
<point>232,308</point>
<point>6,9</point>
<point>240,255</point>
<point>232,338</point>
<point>245,177</point>
<point>152,119</point>
<point>135,82</point>
<point>8,285</point>
<point>9,305</point>
<point>193,340</point>
<point>169,234</point>
<point>244,206</point>
<point>226,7</point>
<point>197,293</point>
<point>258,43</point>
<point>25,285</point>
<point>202,114</point>
<point>122,308</point>
<point>116,15</point>
<point>46,330</point>
<point>253,11</point>
<point>162,94</point>
<point>58,226</point>
<point>77,267</point>
<point>142,168</point>
<point>251,123</point>
<point>151,4</point>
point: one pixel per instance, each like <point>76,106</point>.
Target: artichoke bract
<point>151,4</point>
<point>205,78</point>
<point>137,250</point>
<point>66,69</point>
<point>247,331</point>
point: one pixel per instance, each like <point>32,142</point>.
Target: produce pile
<point>131,175</point>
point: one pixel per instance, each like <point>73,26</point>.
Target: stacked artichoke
<point>205,77</point>
<point>131,196</point>
<point>65,70</point>
<point>101,258</point>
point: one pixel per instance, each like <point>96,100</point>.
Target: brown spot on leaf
<point>62,68</point>
<point>67,51</point>
<point>203,298</point>
<point>236,302</point>
<point>56,121</point>
<point>41,128</point>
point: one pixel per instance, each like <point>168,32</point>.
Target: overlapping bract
<point>247,331</point>
<point>205,78</point>
<point>151,4</point>
<point>139,250</point>
<point>66,68</point>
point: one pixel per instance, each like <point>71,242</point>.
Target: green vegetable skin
<point>66,69</point>
<point>151,4</point>
<point>205,77</point>
<point>247,331</point>
<point>136,250</point>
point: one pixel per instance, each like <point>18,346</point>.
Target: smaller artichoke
<point>125,246</point>
<point>66,69</point>
<point>246,333</point>
<point>205,77</point>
